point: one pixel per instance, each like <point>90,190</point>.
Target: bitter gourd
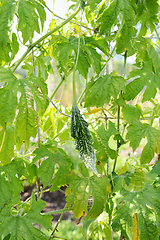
<point>83,139</point>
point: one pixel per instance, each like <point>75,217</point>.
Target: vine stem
<point>118,115</point>
<point>61,210</point>
<point>75,66</point>
<point>59,220</point>
<point>31,46</point>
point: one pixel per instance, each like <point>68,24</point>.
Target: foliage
<point>115,196</point>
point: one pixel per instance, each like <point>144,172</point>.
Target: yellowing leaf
<point>79,191</point>
<point>95,110</point>
<point>135,229</point>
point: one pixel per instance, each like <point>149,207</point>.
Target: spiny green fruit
<point>83,139</point>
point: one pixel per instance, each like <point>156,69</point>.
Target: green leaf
<point>131,113</point>
<point>104,136</point>
<point>41,67</point>
<point>8,103</point>
<point>28,19</point>
<point>64,168</point>
<point>8,96</point>
<point>147,15</point>
<point>31,89</point>
<point>11,172</point>
<point>153,144</point>
<point>100,149</point>
<point>80,189</point>
<point>95,231</point>
<point>7,9</point>
<point>108,17</point>
<point>20,222</point>
<point>41,12</point>
<point>156,168</point>
<point>63,51</point>
<point>99,187</point>
<point>128,30</point>
<point>6,190</point>
<point>100,43</point>
<point>26,125</point>
<point>146,205</point>
<point>147,78</point>
<point>96,60</point>
<point>101,90</point>
<point>7,144</point>
<point>83,62</point>
<point>77,193</point>
<point>123,220</point>
<point>14,45</point>
<point>48,167</point>
<point>137,131</point>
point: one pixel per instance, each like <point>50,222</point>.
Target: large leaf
<point>20,222</point>
<point>8,96</point>
<point>31,89</point>
<point>131,113</point>
<point>95,231</point>
<point>147,15</point>
<point>26,125</point>
<point>109,17</point>
<point>147,78</point>
<point>48,167</point>
<point>88,54</point>
<point>7,9</point>
<point>137,131</point>
<point>147,210</point>
<point>28,19</point>
<point>127,31</point>
<point>101,90</point>
<point>81,188</point>
<point>7,144</point>
<point>104,136</point>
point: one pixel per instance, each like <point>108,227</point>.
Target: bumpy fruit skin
<point>83,139</point>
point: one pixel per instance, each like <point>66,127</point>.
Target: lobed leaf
<point>142,204</point>
<point>137,131</point>
<point>47,171</point>
<point>146,78</point>
<point>25,125</point>
<point>95,231</point>
<point>104,136</point>
<point>79,191</point>
<point>20,222</point>
<point>7,144</point>
<point>131,113</point>
<point>7,9</point>
<point>101,90</point>
<point>28,19</point>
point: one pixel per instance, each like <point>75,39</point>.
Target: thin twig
<point>58,222</point>
<point>57,108</point>
<point>55,15</point>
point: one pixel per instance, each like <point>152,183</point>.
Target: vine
<point>112,187</point>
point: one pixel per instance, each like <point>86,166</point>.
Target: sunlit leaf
<point>102,89</point>
<point>7,144</point>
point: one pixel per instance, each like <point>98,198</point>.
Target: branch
<point>69,21</point>
<point>57,108</point>
<point>31,46</point>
